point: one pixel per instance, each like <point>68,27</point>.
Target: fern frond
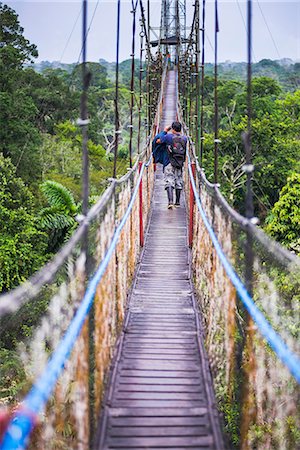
<point>55,220</point>
<point>58,195</point>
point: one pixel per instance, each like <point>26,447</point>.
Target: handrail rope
<point>287,357</point>
<point>21,425</point>
<point>14,299</point>
<point>17,297</point>
<point>281,254</point>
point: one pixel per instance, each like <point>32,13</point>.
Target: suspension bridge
<point>159,322</point>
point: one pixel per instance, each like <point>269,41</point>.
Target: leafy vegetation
<point>22,244</point>
<point>283,221</point>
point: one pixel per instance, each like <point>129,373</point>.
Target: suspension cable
<point>140,88</point>
<point>248,167</point>
<point>148,59</point>
<point>70,35</point>
<point>89,28</point>
<point>134,6</point>
<point>83,121</point>
<point>216,119</point>
<point>117,121</point>
<point>202,85</point>
<point>197,32</point>
<point>245,26</point>
<point>147,36</point>
<point>268,28</point>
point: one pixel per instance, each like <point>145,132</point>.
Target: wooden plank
<point>156,388</point>
<point>142,357</point>
<point>156,403</point>
<point>185,366</point>
<point>162,412</point>
<point>137,381</point>
<point>159,431</point>
<point>164,442</point>
<point>158,373</point>
<point>160,345</point>
<point>158,421</point>
<point>163,395</point>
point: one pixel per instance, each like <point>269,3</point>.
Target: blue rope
<point>289,359</point>
<point>17,434</point>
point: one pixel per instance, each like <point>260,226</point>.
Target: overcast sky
<point>55,27</point>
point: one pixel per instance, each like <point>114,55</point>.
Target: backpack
<point>177,152</point>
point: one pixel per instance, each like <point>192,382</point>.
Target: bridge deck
<point>160,393</point>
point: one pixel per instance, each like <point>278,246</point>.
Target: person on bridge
<point>169,149</point>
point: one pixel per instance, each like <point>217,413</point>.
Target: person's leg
<point>178,185</point>
<point>169,179</point>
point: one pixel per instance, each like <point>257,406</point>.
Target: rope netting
<point>257,393</point>
<point>68,346</point>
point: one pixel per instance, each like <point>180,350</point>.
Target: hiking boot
<point>170,197</point>
<point>178,192</point>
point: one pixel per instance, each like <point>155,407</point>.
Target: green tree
<point>18,135</point>
<point>58,219</point>
<point>98,76</point>
<point>283,223</point>
<point>22,244</point>
<point>15,49</point>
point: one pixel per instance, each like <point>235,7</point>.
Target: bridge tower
<point>172,26</point>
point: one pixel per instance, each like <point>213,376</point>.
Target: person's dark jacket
<point>160,153</point>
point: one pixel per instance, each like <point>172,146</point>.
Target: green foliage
<point>59,218</point>
<point>15,49</point>
<point>58,196</point>
<point>12,376</point>
<point>61,160</point>
<point>231,412</point>
<point>98,76</point>
<point>275,139</point>
<point>284,71</point>
<point>22,244</point>
<point>283,223</point>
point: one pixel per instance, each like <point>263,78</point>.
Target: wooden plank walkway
<point>160,392</point>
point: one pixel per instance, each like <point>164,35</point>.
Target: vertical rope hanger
<point>117,121</point>
<point>248,167</point>
<point>148,71</point>
<point>248,138</point>
<point>140,87</point>
<point>246,393</point>
<point>197,75</point>
<point>216,119</point>
<point>148,59</point>
<point>133,11</point>
<point>202,84</point>
<point>83,121</point>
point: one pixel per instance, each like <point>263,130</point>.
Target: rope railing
<point>34,402</point>
<point>255,363</point>
<point>291,361</point>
